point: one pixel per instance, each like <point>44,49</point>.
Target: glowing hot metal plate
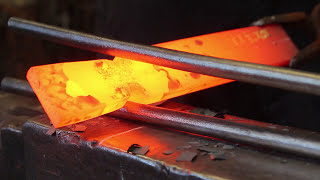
<point>76,91</point>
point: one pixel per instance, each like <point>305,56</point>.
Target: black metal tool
<point>312,22</point>
<point>277,77</point>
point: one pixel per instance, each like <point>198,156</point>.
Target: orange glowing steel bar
<point>76,91</point>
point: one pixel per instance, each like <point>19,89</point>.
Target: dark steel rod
<point>17,86</point>
<point>300,142</point>
<point>303,143</point>
<point>277,77</point>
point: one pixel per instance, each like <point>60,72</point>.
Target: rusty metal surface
<point>277,77</point>
<point>100,151</point>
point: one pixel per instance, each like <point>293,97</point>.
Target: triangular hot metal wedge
<point>76,91</point>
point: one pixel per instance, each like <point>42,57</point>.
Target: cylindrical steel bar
<point>16,85</point>
<point>302,143</point>
<point>277,77</point>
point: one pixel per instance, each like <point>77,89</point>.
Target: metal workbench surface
<point>101,151</point>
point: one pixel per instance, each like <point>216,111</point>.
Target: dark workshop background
<point>149,22</point>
